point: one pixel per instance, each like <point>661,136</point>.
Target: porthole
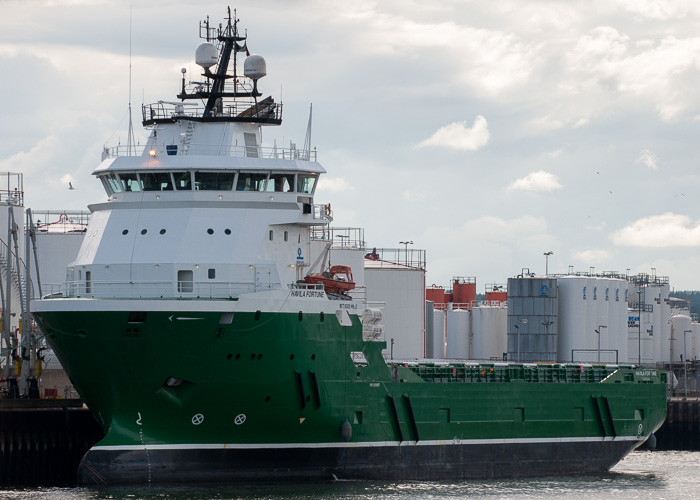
<point>252,356</point>
<point>144,231</point>
<point>126,231</point>
<point>227,231</point>
<point>238,356</point>
<point>229,356</point>
<point>210,231</point>
<point>259,357</point>
<point>313,356</point>
<point>162,231</point>
<point>291,357</point>
<point>267,399</point>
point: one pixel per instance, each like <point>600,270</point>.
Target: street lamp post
<point>517,329</point>
<point>600,327</point>
<point>405,248</point>
<point>546,262</point>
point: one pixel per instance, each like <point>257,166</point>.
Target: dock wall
<point>43,446</point>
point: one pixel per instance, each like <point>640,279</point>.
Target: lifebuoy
<point>328,210</point>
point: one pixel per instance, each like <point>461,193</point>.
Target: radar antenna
<point>307,140</point>
<point>130,134</point>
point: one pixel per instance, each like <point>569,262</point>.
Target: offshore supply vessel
<point>187,326</point>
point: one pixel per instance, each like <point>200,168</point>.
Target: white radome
<point>255,67</point>
<point>206,55</point>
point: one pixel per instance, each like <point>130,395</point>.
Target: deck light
<point>152,152</point>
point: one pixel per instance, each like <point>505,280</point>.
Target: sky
<point>487,133</point>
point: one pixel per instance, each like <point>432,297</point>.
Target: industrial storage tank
<point>457,334</point>
<point>532,318</point>
<point>681,335</point>
<point>572,316</point>
<point>592,319</point>
<point>464,290</point>
<point>619,317</point>
<point>662,316</point>
<point>495,292</point>
<point>640,338</point>
<point>489,331</point>
<point>402,289</point>
<point>435,345</point>
<point>435,294</point>
<point>649,302</point>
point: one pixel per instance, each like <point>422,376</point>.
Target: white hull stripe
<point>368,444</point>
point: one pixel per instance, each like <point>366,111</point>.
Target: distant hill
<point>692,297</point>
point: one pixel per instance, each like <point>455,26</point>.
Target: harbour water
<point>642,475</point>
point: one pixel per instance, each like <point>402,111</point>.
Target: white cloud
<point>536,181</point>
<point>333,184</point>
<point>591,256</point>
<point>458,136</point>
<point>599,227</point>
<point>608,64</point>
<point>659,231</point>
<point>655,9</point>
<point>649,159</point>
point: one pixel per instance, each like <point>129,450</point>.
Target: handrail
<point>154,289</point>
<point>267,152</point>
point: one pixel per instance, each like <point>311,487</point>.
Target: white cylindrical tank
<point>585,305</point>
<point>489,332</point>
<point>457,327</point>
<point>622,318</point>
<point>439,334</point>
<point>572,316</point>
<point>402,290</point>
<point>681,330</point>
<point>664,316</point>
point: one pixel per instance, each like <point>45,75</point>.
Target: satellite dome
<point>254,67</point>
<point>206,55</point>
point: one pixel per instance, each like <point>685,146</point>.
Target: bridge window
<point>249,181</point>
<point>213,181</point>
<point>111,183</point>
<point>157,181</point>
<point>183,181</point>
<point>130,181</point>
<point>306,183</point>
<point>281,183</point>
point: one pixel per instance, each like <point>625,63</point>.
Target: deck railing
<point>502,372</point>
<point>152,289</point>
<point>291,153</point>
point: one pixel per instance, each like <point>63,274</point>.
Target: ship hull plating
<point>278,396</point>
<point>408,462</point>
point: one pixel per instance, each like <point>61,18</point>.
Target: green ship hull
<point>216,393</point>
